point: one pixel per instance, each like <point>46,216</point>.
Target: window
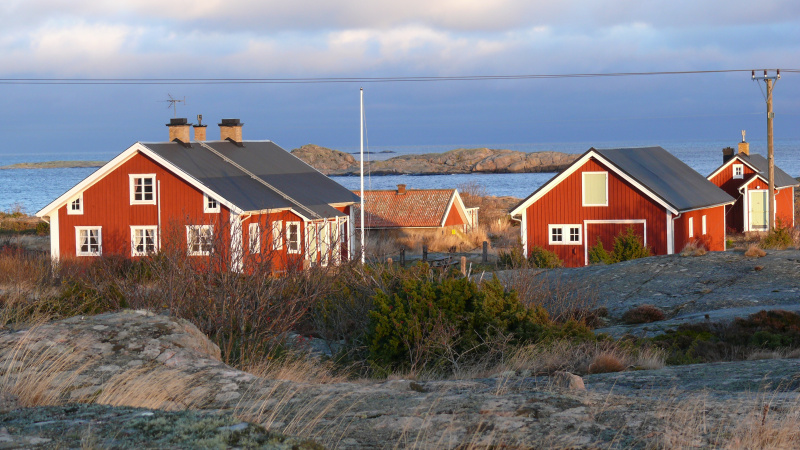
<point>75,207</point>
<point>703,224</point>
<point>143,188</point>
<point>143,240</point>
<point>277,235</point>
<point>595,188</point>
<point>565,234</point>
<point>89,241</point>
<point>254,233</point>
<point>293,237</point>
<point>325,243</point>
<point>312,240</point>
<point>691,227</point>
<point>210,204</point>
<point>738,171</point>
<point>199,239</point>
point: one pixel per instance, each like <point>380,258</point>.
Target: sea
<point>29,190</point>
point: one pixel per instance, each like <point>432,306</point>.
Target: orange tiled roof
<point>414,208</point>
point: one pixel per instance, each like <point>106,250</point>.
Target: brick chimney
<point>200,129</point>
<point>179,129</point>
<point>231,129</point>
<point>744,147</point>
<point>401,188</point>
<point>727,154</point>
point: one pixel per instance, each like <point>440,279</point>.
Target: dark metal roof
<point>667,177</point>
<point>782,179</point>
<point>267,161</point>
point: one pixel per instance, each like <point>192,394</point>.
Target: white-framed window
<point>199,239</point>
<point>324,243</point>
<point>143,240</point>
<point>312,240</point>
<point>210,204</point>
<point>595,188</point>
<point>738,170</point>
<point>703,225</point>
<point>143,189</point>
<point>564,234</point>
<point>277,235</point>
<point>254,238</point>
<point>293,237</point>
<point>75,207</point>
<point>691,227</point>
<point>88,241</point>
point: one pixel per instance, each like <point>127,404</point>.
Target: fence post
<point>403,257</point>
<point>464,265</point>
<point>424,253</point>
<point>485,256</point>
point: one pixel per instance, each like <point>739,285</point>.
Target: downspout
<point>158,199</point>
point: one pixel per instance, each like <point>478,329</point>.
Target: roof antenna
<point>173,103</point>
<point>199,119</point>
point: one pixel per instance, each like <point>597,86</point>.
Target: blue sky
<point>352,38</point>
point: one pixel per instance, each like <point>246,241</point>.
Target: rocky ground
<point>459,161</point>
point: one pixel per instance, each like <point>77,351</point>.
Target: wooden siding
<point>268,258</point>
<point>606,232</point>
<point>563,205</point>
<point>107,204</point>
<point>726,182</point>
<point>456,216</point>
<point>713,239</point>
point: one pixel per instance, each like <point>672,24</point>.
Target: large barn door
<point>606,231</point>
<point>758,210</point>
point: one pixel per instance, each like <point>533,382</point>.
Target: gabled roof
<point>654,171</point>
<point>761,166</point>
<point>415,208</point>
<point>254,177</point>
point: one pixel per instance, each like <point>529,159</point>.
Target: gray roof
<point>667,177</point>
<point>268,162</point>
<point>782,179</point>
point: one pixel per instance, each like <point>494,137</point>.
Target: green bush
<point>430,324</point>
<point>778,238</point>
<point>513,259</point>
<point>627,246</point>
<point>42,228</point>
<point>544,259</point>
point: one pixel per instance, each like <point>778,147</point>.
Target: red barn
<point>745,177</point>
<point>250,201</point>
<point>607,191</point>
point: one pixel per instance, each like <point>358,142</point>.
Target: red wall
<point>563,205</point>
<point>713,240</point>
<point>784,202</point>
<point>454,218</point>
<point>267,257</point>
<point>107,204</point>
<point>726,182</point>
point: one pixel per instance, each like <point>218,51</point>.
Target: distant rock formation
<point>55,165</point>
<point>459,161</point>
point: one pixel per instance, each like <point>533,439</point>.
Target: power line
<point>321,80</point>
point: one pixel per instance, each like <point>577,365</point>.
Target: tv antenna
<point>173,103</point>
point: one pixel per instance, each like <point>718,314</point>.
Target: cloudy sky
<point>250,39</point>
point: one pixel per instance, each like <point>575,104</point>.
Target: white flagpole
<point>362,177</point>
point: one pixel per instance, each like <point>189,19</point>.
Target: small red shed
<point>414,208</point>
<point>745,177</point>
<point>250,201</point>
<point>606,191</point>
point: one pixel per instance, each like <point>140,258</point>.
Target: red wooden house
<point>249,200</point>
<point>745,177</point>
<point>606,191</point>
<point>415,208</point>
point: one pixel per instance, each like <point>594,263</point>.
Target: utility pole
<point>770,81</point>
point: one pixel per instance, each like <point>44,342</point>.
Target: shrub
<point>627,246</point>
<point>599,255</point>
<point>42,228</point>
<point>643,314</point>
<point>430,324</point>
<point>754,251</point>
<point>693,248</point>
<point>513,259</point>
<point>605,363</point>
<point>778,238</point>
<point>544,259</point>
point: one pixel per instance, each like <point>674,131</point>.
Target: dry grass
<point>694,248</point>
<point>297,368</point>
<point>643,314</point>
<point>563,299</point>
<point>773,354</point>
<point>152,386</point>
<point>607,362</point>
<point>754,251</point>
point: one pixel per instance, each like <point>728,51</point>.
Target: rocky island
<point>458,161</point>
<point>55,165</point>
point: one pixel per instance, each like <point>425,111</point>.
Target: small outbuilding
<point>744,176</point>
<point>607,191</point>
<point>415,208</point>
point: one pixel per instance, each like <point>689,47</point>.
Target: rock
<point>458,161</point>
<point>569,381</point>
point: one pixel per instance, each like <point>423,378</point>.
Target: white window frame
<point>703,222</point>
<point>78,241</point>
<point>75,212</point>
<point>738,171</point>
<point>254,238</point>
<point>207,207</point>
<point>298,248</point>
<point>324,243</point>
<point>277,235</point>
<point>200,230</point>
<point>583,188</point>
<point>132,187</point>
<point>691,227</point>
<point>312,241</point>
<point>136,228</point>
<point>565,234</point>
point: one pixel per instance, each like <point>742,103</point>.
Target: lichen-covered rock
<point>325,160</point>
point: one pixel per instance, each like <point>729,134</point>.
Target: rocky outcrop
<point>459,161</point>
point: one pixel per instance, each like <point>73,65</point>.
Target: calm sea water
<point>32,189</point>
